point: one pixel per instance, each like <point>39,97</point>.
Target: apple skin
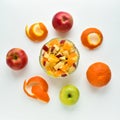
<point>69,95</point>
<point>16,58</point>
<point>62,21</point>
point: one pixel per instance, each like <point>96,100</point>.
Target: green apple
<point>69,94</point>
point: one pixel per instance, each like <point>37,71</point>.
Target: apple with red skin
<point>16,58</point>
<point>62,21</point>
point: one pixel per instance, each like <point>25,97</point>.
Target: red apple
<point>16,58</point>
<point>62,21</point>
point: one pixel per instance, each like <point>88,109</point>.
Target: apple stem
<point>69,95</point>
<point>15,57</point>
<point>64,18</point>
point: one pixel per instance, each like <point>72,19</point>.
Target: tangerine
<point>98,74</point>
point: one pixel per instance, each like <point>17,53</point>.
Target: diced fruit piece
<point>44,61</point>
<point>71,69</point>
<point>56,47</point>
<point>59,73</point>
<point>63,75</point>
<point>65,53</point>
<point>65,68</point>
<point>52,49</point>
<point>62,41</point>
<point>67,46</point>
<point>45,48</point>
<point>59,55</point>
<point>73,55</point>
<point>62,58</point>
<point>70,62</point>
<point>53,42</point>
<point>59,65</point>
<point>53,58</point>
<point>46,55</point>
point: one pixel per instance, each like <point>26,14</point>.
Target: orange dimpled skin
<point>98,74</point>
<point>37,32</point>
<point>91,38</point>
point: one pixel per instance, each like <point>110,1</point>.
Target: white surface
<point>94,104</point>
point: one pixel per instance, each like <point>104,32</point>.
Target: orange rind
<point>37,32</point>
<point>40,93</point>
<point>98,74</point>
<point>91,38</point>
<point>36,87</point>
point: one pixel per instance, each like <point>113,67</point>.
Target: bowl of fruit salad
<point>59,57</point>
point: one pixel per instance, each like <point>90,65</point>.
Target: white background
<point>94,104</point>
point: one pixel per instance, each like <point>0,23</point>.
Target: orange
<point>91,38</point>
<point>37,32</point>
<point>98,74</point>
<point>36,87</point>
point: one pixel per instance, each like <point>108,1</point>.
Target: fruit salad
<point>59,57</point>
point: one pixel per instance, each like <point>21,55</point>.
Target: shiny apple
<point>62,21</point>
<point>69,95</point>
<point>16,58</point>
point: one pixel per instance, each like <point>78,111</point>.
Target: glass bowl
<point>59,57</point>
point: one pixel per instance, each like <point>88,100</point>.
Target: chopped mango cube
<point>53,58</point>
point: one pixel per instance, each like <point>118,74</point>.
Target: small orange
<point>36,87</point>
<point>37,32</point>
<point>98,74</point>
<point>91,38</point>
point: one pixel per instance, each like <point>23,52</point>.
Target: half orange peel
<point>36,32</point>
<point>36,87</point>
<point>91,38</point>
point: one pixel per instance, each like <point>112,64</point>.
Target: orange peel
<point>36,87</point>
<point>91,38</point>
<point>40,93</point>
<point>36,32</point>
